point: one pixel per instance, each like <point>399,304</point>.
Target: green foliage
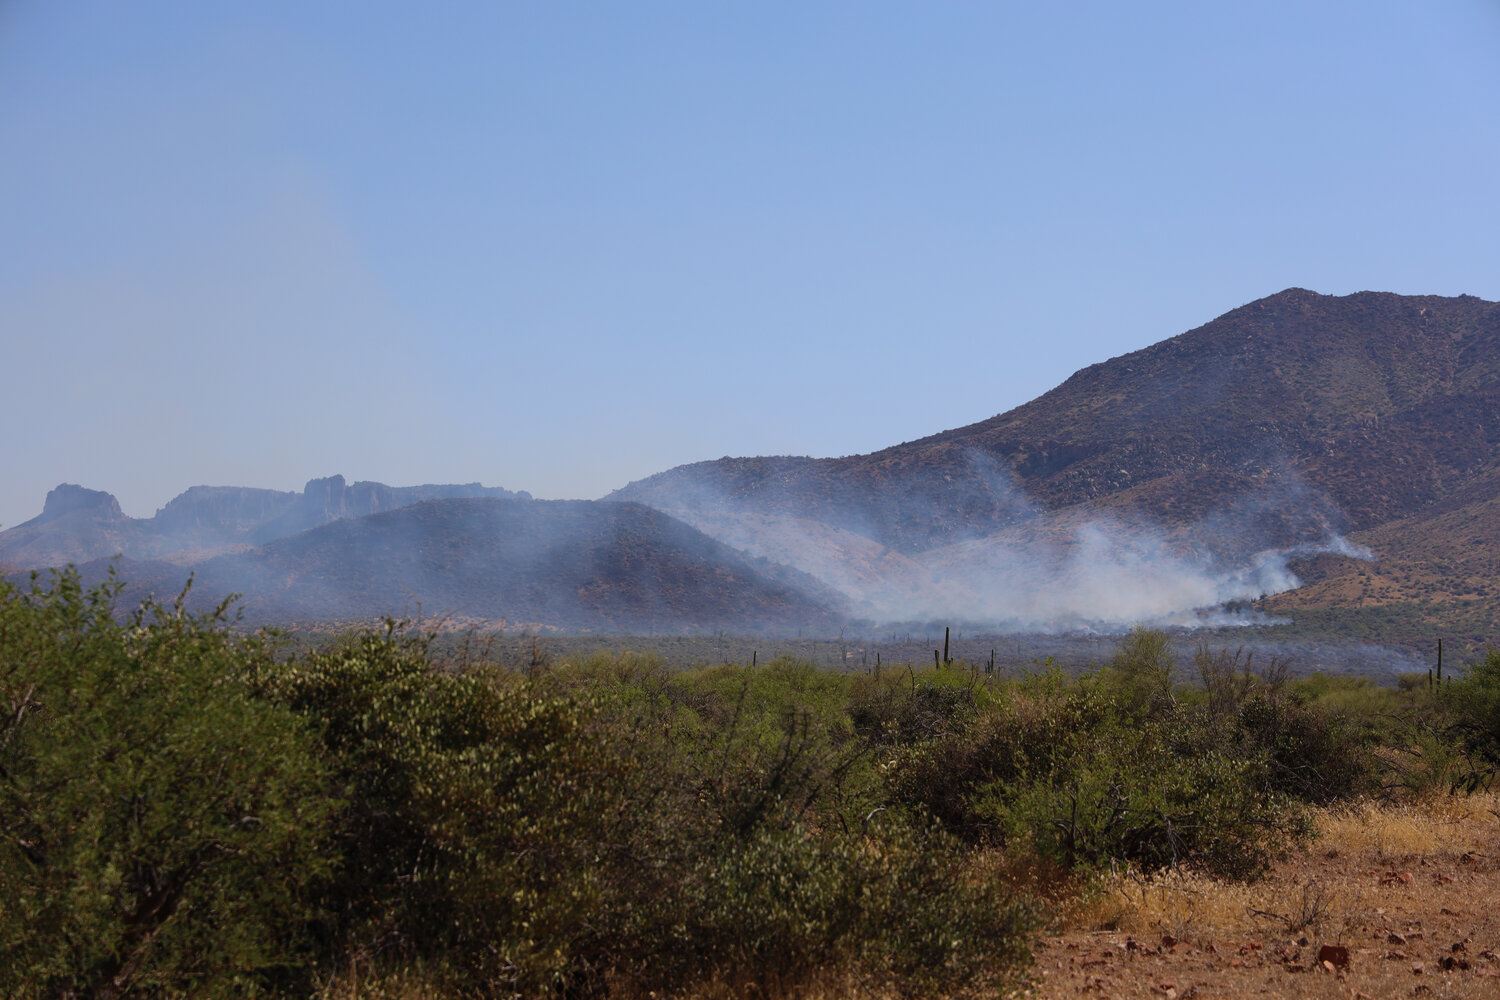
<point>1474,703</point>
<point>1063,770</point>
<point>1144,663</point>
<point>1315,753</point>
<point>474,808</point>
<point>158,826</point>
<point>184,813</point>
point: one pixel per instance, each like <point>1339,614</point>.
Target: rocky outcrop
<point>227,510</point>
<point>70,499</point>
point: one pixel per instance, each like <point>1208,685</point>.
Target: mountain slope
<point>579,565</point>
<point>1215,457</point>
<point>1354,410</point>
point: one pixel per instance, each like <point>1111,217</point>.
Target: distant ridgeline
<point>79,525</point>
<point>351,554</point>
<point>1272,451</point>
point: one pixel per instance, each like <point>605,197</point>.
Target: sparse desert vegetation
<point>189,810</point>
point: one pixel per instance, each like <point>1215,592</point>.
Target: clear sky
<point>560,246</point>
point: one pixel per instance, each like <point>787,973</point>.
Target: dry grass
<point>1437,824</point>
<point>1434,829</point>
<point>1408,892</point>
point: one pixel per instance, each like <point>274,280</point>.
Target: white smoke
<point>1047,572</point>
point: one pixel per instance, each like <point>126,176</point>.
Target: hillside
<point>577,565</point>
<point>1384,403</point>
<point>1276,428</point>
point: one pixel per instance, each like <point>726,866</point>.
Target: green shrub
<point>1143,665</point>
<point>1317,754</point>
<point>891,712</point>
<point>1062,769</point>
<point>757,849</point>
<point>474,808</point>
<point>1475,704</point>
<point>158,826</point>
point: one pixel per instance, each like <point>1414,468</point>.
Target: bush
<point>1063,770</point>
<point>758,854</point>
<point>1475,702</point>
<point>158,826</point>
<point>183,813</point>
<point>474,809</point>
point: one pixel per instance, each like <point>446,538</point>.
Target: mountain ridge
<point>574,564</point>
<point>1214,466</point>
<point>1171,420</point>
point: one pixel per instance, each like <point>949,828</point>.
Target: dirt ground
<point>1396,902</point>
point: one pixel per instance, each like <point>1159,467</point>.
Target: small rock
<point>1335,955</point>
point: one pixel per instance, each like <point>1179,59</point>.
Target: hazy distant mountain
<point>78,525</point>
<point>580,565</point>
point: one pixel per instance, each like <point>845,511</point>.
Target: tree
<point>1144,660</point>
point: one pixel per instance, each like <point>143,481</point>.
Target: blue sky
<point>561,246</point>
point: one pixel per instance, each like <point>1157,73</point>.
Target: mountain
<point>1277,428</point>
<point>579,565</point>
<point>1382,403</point>
<point>78,525</point>
<point>1303,454</point>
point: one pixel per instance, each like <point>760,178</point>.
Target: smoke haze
<point>1051,572</point>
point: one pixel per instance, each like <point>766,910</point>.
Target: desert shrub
<point>1038,730</point>
<point>895,906</point>
<point>1065,770</point>
<point>1475,704</point>
<point>891,711</point>
<point>1318,754</point>
<point>1143,666</point>
<point>186,811</point>
<point>1153,796</point>
<point>474,808</point>
<point>758,852</point>
<point>1229,677</point>
<point>159,826</point>
<point>597,823</point>
<point>781,897</point>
